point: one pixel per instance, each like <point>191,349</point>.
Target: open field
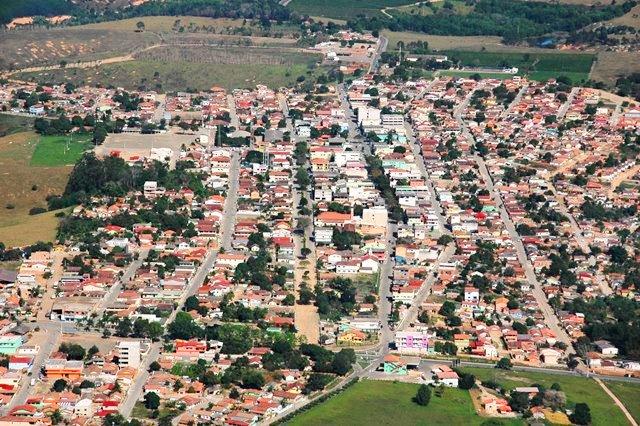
<point>176,75</point>
<point>631,19</point>
<point>53,151</point>
<point>466,74</point>
<point>611,65</point>
<point>24,48</point>
<point>344,9</point>
<point>387,403</point>
<point>25,186</point>
<point>577,389</point>
<point>629,395</point>
<point>30,230</point>
<point>163,23</point>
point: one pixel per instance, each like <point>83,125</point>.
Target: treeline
<point>512,20</point>
<point>629,86</point>
<point>264,10</point>
<point>11,9</point>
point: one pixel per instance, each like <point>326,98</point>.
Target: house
<point>445,375</point>
<point>549,356</point>
<point>606,348</point>
<point>393,364</point>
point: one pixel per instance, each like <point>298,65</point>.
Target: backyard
<point>577,389</point>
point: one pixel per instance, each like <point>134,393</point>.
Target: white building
<point>368,116</point>
<point>375,216</point>
<point>129,353</point>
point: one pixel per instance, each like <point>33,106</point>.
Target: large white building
<point>368,116</point>
<point>375,216</point>
<point>129,353</point>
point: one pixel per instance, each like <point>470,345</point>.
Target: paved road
<point>565,107</point>
<point>48,297</point>
<point>550,316</point>
<point>412,313</point>
<point>419,159</point>
<point>230,210</point>
<point>111,296</point>
<point>515,101</point>
<point>51,334</point>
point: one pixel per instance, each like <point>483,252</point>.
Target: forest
<point>513,20</point>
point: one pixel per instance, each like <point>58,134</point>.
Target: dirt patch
<point>611,65</point>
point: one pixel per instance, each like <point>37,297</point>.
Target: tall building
<point>129,353</point>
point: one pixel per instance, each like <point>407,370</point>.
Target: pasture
<point>390,403</point>
<point>25,186</point>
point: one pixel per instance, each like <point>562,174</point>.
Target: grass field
<point>25,186</point>
<point>629,395</point>
<point>344,9</point>
<point>462,73</point>
<point>176,75</point>
<point>54,151</point>
<point>577,389</point>
<point>388,403</point>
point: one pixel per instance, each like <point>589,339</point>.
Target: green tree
<point>504,363</point>
<point>151,400</point>
<point>423,396</point>
<point>59,385</point>
<point>581,414</point>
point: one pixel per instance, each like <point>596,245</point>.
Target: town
<point>230,256</point>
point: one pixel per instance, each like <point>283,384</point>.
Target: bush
<point>10,206</point>
<point>37,210</point>
<point>423,396</point>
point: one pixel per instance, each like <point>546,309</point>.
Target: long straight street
<point>230,209</point>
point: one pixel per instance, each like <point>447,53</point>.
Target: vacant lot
<point>611,65</point>
<point>629,395</point>
<point>54,151</point>
<point>344,9</point>
<point>474,43</point>
<point>387,403</point>
<point>577,389</point>
<point>178,75</point>
<point>23,187</point>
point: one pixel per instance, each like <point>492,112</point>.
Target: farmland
<point>577,389</point>
<point>24,187</point>
<point>344,9</point>
<point>387,403</point>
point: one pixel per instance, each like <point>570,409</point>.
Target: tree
<point>554,399</point>
<point>341,363</point>
<point>59,385</point>
<point>423,396</point>
<point>519,401</point>
<point>155,366</point>
<point>184,327</point>
<point>467,381</point>
<point>504,363</point>
<point>56,417</point>
<point>151,400</point>
<point>581,414</point>
<point>140,26</point>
